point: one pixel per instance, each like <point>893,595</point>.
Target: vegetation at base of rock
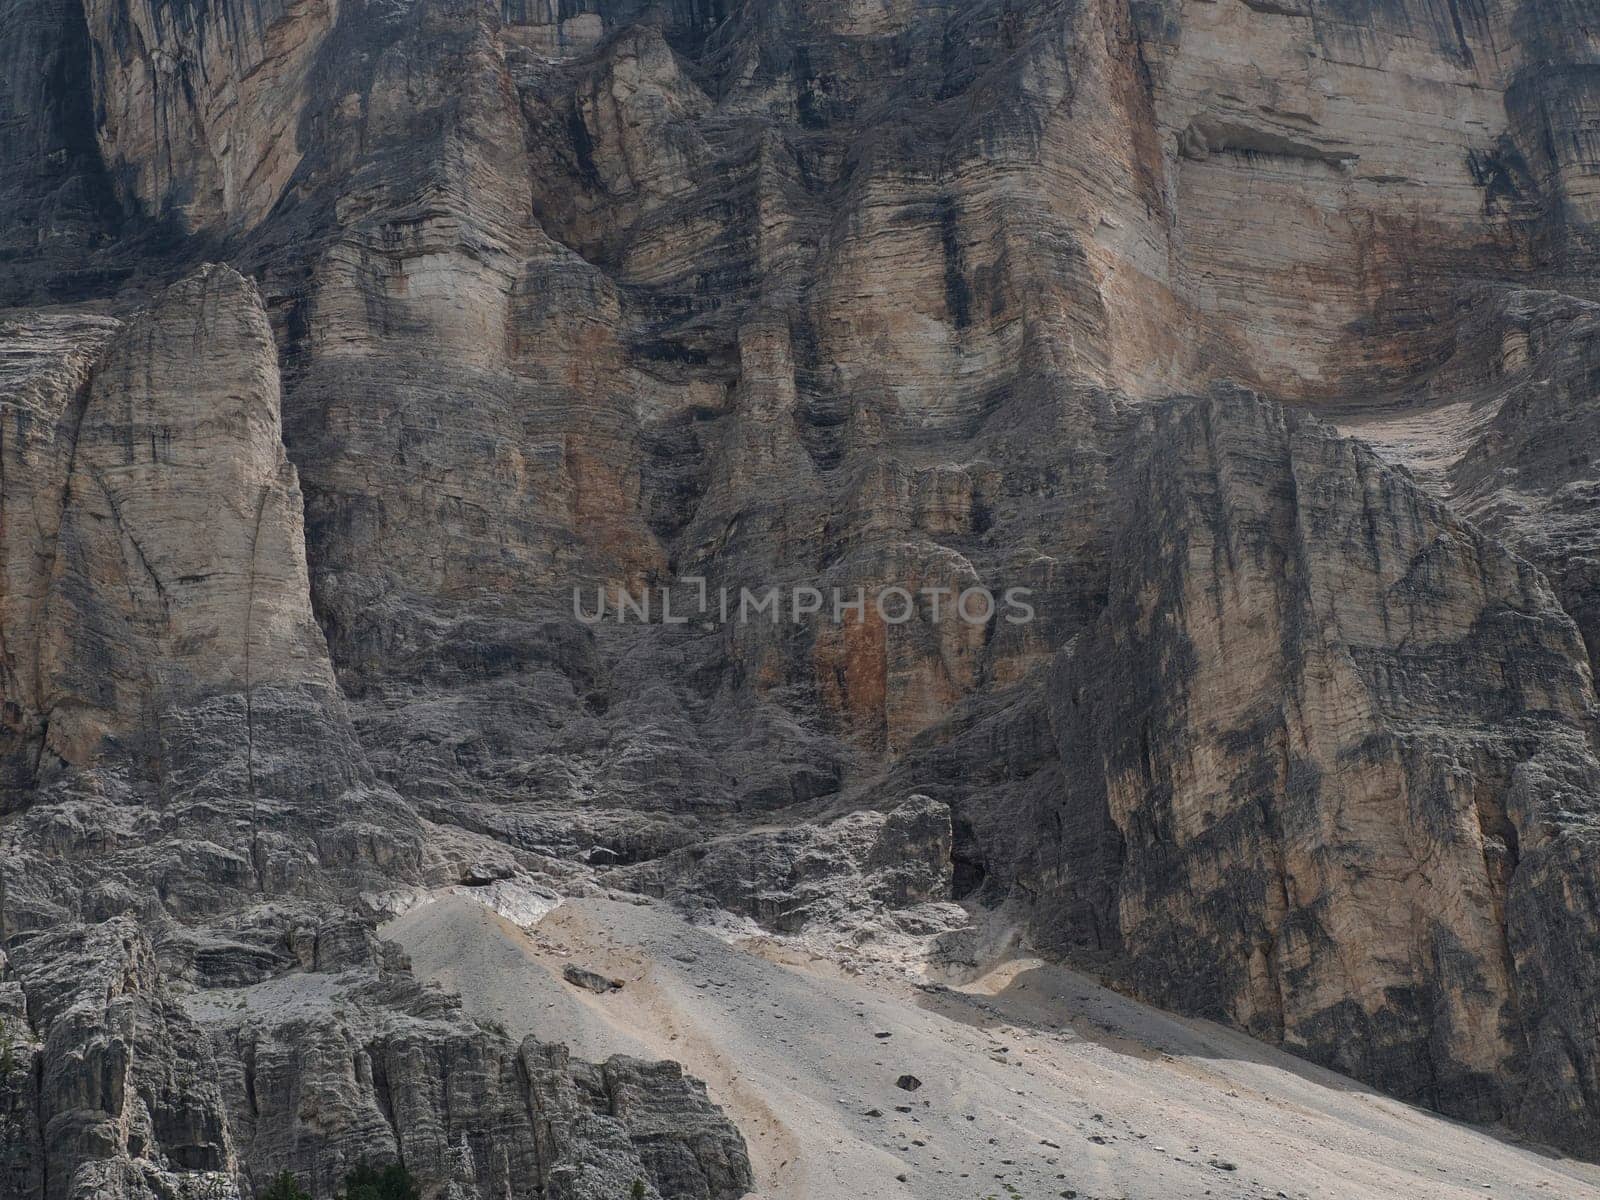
<point>284,1187</point>
<point>392,1182</point>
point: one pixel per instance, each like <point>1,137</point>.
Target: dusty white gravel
<point>1036,1082</point>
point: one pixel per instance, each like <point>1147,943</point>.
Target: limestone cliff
<point>688,295</point>
<point>1343,744</point>
<point>194,993</point>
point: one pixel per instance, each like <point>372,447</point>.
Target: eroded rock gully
<point>1066,295</point>
<point>195,994</point>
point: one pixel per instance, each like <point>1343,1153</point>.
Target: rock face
<point>1343,744</point>
<point>856,866</point>
<point>180,499</point>
<point>645,298</point>
<point>197,105</point>
<point>61,213</point>
<point>46,374</point>
<point>194,997</point>
<point>143,1091</point>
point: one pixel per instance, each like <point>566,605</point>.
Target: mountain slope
<point>367,343</point>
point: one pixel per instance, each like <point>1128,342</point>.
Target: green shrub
<point>284,1187</point>
<point>367,1182</point>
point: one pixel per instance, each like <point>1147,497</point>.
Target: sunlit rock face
<point>1336,736</point>
<point>697,295</point>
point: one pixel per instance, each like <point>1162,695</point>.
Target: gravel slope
<point>1036,1082</point>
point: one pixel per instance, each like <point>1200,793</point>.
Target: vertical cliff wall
<point>1345,743</point>
<point>628,295</point>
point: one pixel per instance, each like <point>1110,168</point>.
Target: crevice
<point>957,292</point>
<point>7,663</point>
<point>80,407</point>
<point>1210,135</point>
<point>1280,855</point>
<point>538,1123</point>
<point>249,695</point>
<point>39,1120</point>
<point>127,536</point>
<point>382,1094</point>
<point>1495,827</point>
<point>249,1060</point>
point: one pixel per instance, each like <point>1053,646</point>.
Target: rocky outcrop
<point>395,1071</point>
<point>854,868</point>
<point>181,500</point>
<point>1504,430</point>
<point>652,297</point>
<point>156,564</point>
<point>196,848</point>
<point>150,1089</point>
<point>120,1105</point>
<point>1343,746</point>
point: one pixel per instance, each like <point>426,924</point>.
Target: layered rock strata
<point>193,995</point>
<point>634,295</point>
<point>1343,745</point>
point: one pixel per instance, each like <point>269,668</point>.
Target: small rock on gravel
<point>591,980</point>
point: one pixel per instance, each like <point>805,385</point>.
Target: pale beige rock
<point>44,386</point>
<point>180,565</point>
<point>199,107</point>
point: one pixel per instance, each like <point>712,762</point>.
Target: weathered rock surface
<point>146,1090</point>
<point>1506,430</point>
<point>194,998</point>
<point>197,106</point>
<point>61,213</point>
<point>180,499</point>
<point>852,868</point>
<point>630,295</point>
<point>1343,746</point>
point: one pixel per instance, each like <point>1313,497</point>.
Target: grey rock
<point>633,294</point>
<point>193,992</point>
<point>1253,751</point>
<point>591,981</point>
<point>855,866</point>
